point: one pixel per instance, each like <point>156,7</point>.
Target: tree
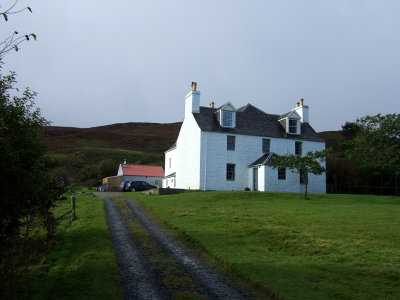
<point>311,163</point>
<point>375,144</point>
<point>12,41</point>
<point>28,190</point>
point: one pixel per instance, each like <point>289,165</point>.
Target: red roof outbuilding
<point>141,170</point>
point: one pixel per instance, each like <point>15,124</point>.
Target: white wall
<point>167,168</point>
<point>169,182</point>
<point>157,181</point>
<point>215,157</point>
<point>187,155</point>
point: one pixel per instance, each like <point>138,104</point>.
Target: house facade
<point>150,174</point>
<point>228,148</point>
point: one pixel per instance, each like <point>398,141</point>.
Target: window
<point>170,162</point>
<point>230,172</point>
<point>292,126</point>
<point>282,173</point>
<point>298,148</point>
<point>303,178</point>
<point>230,145</point>
<point>266,145</point>
<point>227,118</point>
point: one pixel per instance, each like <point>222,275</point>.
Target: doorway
<point>255,179</point>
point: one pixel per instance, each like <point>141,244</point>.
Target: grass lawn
<point>82,264</point>
<point>331,246</point>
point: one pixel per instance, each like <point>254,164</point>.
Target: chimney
<point>192,100</point>
<point>212,104</point>
<point>302,110</point>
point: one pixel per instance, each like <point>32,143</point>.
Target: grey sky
<point>101,62</point>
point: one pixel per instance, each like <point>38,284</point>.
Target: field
<point>81,265</point>
<point>280,245</point>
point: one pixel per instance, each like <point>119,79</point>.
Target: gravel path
<point>136,280</point>
<point>139,278</point>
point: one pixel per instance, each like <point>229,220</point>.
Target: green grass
<point>82,265</point>
<point>328,247</point>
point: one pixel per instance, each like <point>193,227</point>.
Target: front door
<point>255,179</point>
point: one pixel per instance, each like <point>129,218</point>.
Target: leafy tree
<point>375,144</point>
<point>27,189</point>
<point>311,163</point>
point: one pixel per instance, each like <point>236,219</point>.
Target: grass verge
<point>82,264</point>
<point>277,244</point>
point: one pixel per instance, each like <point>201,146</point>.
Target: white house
<point>151,174</point>
<point>228,148</point>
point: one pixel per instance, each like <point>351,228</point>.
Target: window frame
<point>230,172</point>
<point>281,173</point>
<point>230,142</point>
<point>291,127</point>
<point>227,121</point>
<point>263,145</point>
<point>298,148</point>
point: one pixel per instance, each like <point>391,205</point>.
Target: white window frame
<point>227,118</point>
<point>291,127</point>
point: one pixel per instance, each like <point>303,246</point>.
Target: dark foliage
<point>27,188</point>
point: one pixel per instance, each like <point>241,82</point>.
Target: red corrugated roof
<point>140,170</point>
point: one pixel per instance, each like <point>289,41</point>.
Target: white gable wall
<point>170,156</point>
<point>188,154</point>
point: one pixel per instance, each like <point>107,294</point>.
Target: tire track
<point>140,278</point>
<point>136,280</point>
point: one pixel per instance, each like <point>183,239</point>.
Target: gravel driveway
<point>153,264</point>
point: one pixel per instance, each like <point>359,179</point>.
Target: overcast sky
<point>102,62</point>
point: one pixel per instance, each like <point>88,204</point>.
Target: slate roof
<point>171,148</point>
<point>284,115</point>
<point>263,160</point>
<point>253,121</point>
<point>142,170</point>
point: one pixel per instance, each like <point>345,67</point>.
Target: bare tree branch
<point>11,42</point>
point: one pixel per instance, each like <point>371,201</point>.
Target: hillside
<point>149,137</point>
<point>86,155</point>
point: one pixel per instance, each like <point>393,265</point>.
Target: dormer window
<point>291,122</point>
<point>293,126</point>
<point>227,118</point>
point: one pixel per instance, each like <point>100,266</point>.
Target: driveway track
<point>137,276</point>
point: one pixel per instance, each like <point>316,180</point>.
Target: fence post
<point>73,216</point>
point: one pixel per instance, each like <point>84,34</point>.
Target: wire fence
<point>364,190</point>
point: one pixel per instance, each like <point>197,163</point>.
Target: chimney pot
<point>212,104</point>
<point>301,102</point>
<point>124,162</point>
<point>194,85</point>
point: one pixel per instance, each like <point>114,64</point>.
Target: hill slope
<point>86,155</point>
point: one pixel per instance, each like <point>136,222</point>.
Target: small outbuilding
<point>151,174</point>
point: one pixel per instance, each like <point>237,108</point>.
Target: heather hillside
<point>86,155</point>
